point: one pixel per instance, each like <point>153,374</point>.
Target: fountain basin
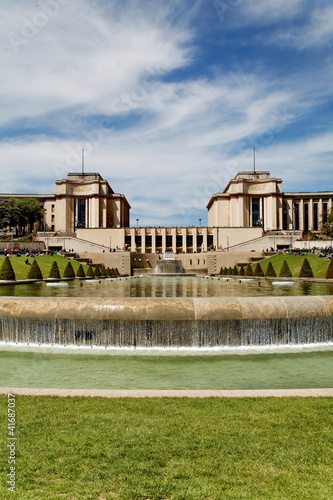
<point>167,322</point>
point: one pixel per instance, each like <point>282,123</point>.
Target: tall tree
<point>326,225</point>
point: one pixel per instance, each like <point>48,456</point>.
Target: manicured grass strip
<point>171,449</point>
<point>45,263</point>
<point>318,265</point>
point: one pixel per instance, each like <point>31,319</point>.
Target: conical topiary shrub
<point>108,272</point>
<point>285,271</point>
<point>69,271</point>
<point>306,271</point>
<point>90,272</point>
<point>34,272</point>
<point>241,271</point>
<point>248,270</point>
<point>235,271</point>
<point>80,272</point>
<point>7,271</point>
<point>97,271</point>
<point>270,271</point>
<point>329,270</point>
<point>221,270</point>
<point>103,271</point>
<point>258,270</point>
<point>54,271</point>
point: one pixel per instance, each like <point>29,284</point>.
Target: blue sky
<point>167,98</point>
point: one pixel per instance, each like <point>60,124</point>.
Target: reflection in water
<point>158,286</point>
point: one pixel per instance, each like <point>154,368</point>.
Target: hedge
<point>34,272</point>
<point>54,271</point>
<point>7,271</point>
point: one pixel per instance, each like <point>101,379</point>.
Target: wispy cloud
<point>160,109</point>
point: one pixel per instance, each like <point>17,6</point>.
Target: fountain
<point>169,265</point>
<point>167,322</point>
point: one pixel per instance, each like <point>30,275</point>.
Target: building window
<point>168,242</point>
<point>158,242</point>
<point>315,217</point>
<point>256,221</point>
<point>189,243</point>
<point>296,215</point>
<point>199,242</point>
<point>306,217</point>
<point>138,242</point>
<point>81,213</point>
<point>52,208</point>
<point>179,243</point>
<point>324,214</point>
<point>148,242</point>
<point>128,242</point>
<point>210,241</point>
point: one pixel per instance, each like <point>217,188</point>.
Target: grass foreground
<point>170,448</point>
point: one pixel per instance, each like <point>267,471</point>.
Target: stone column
<point>163,233</point>
<point>184,240</point>
<point>194,236</point>
<point>301,214</point>
<point>310,214</point>
<point>174,240</point>
<point>153,240</point>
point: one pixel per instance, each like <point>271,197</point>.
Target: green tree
<point>306,271</point>
<point>90,272</point>
<point>103,270</point>
<point>329,270</point>
<point>241,271</point>
<point>270,271</point>
<point>80,272</point>
<point>69,271</point>
<point>4,216</point>
<point>248,270</point>
<point>34,272</point>
<point>235,271</point>
<point>97,271</point>
<point>326,225</point>
<point>285,270</point>
<point>54,271</point>
<point>258,270</point>
<point>7,271</point>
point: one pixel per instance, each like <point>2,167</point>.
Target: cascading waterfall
<point>163,322</point>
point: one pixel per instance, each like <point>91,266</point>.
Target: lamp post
<point>199,222</point>
<point>137,222</point>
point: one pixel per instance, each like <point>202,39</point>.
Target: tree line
<point>20,213</point>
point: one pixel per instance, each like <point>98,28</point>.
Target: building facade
<point>254,199</point>
<point>252,205</point>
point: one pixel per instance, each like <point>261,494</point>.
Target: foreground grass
<point>45,263</point>
<point>318,265</point>
<point>171,449</point>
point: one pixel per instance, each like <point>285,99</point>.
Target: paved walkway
<point>275,393</point>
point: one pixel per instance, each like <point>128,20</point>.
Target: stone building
<point>255,199</point>
<point>253,205</point>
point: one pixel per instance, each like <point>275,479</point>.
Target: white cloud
<point>316,33</point>
<point>195,131</point>
<point>81,58</point>
<point>263,12</point>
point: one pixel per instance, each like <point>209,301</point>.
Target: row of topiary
<point>35,273</point>
<point>305,271</point>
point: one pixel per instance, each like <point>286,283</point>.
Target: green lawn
<point>170,449</point>
<point>44,261</point>
<point>318,265</point>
